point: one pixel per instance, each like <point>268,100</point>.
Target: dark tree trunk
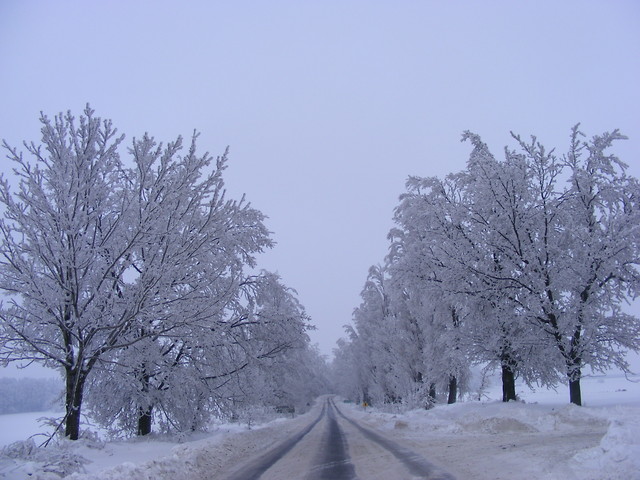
<point>575,395</point>
<point>144,413</point>
<point>144,421</point>
<point>432,392</point>
<point>453,389</point>
<point>508,384</point>
<point>453,380</point>
<point>574,366</point>
<point>73,402</point>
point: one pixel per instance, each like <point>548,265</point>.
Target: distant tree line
<point>133,279</point>
<point>19,395</point>
<point>523,264</point>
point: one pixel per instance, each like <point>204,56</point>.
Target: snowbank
<point>618,455</point>
<point>546,438</point>
<point>502,429</point>
<point>188,457</point>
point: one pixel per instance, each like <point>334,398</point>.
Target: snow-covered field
<point>542,438</point>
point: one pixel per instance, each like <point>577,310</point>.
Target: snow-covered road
<point>336,446</point>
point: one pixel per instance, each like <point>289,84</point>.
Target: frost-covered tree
<point>399,348</point>
<point>252,353</point>
<point>64,247</point>
<point>587,256</point>
<point>501,218</point>
<point>344,371</point>
<point>376,341</point>
<point>96,257</point>
<point>566,253</point>
<point>424,262</point>
<point>524,263</point>
<point>414,370</point>
<point>367,355</point>
<point>273,338</point>
<point>207,238</point>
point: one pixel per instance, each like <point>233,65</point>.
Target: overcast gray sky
<point>327,106</point>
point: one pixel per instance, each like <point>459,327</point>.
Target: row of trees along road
<point>130,279</point>
<point>524,264</point>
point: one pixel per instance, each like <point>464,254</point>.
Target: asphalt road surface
<point>334,446</point>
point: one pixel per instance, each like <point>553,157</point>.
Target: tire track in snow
<point>333,461</point>
<point>256,468</point>
<point>414,462</point>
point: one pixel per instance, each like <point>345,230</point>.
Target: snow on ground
<point>188,457</point>
<point>540,438</point>
<point>489,442</point>
<point>19,426</point>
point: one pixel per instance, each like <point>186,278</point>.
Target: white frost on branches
<point>131,280</point>
<point>524,263</point>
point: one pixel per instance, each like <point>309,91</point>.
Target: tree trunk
<point>575,373</point>
<point>432,392</point>
<point>144,421</point>
<point>574,368</point>
<point>144,413</point>
<point>508,384</point>
<point>453,389</point>
<point>575,395</point>
<point>73,402</point>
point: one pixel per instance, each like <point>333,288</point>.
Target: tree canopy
<point>132,278</point>
<point>524,263</point>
